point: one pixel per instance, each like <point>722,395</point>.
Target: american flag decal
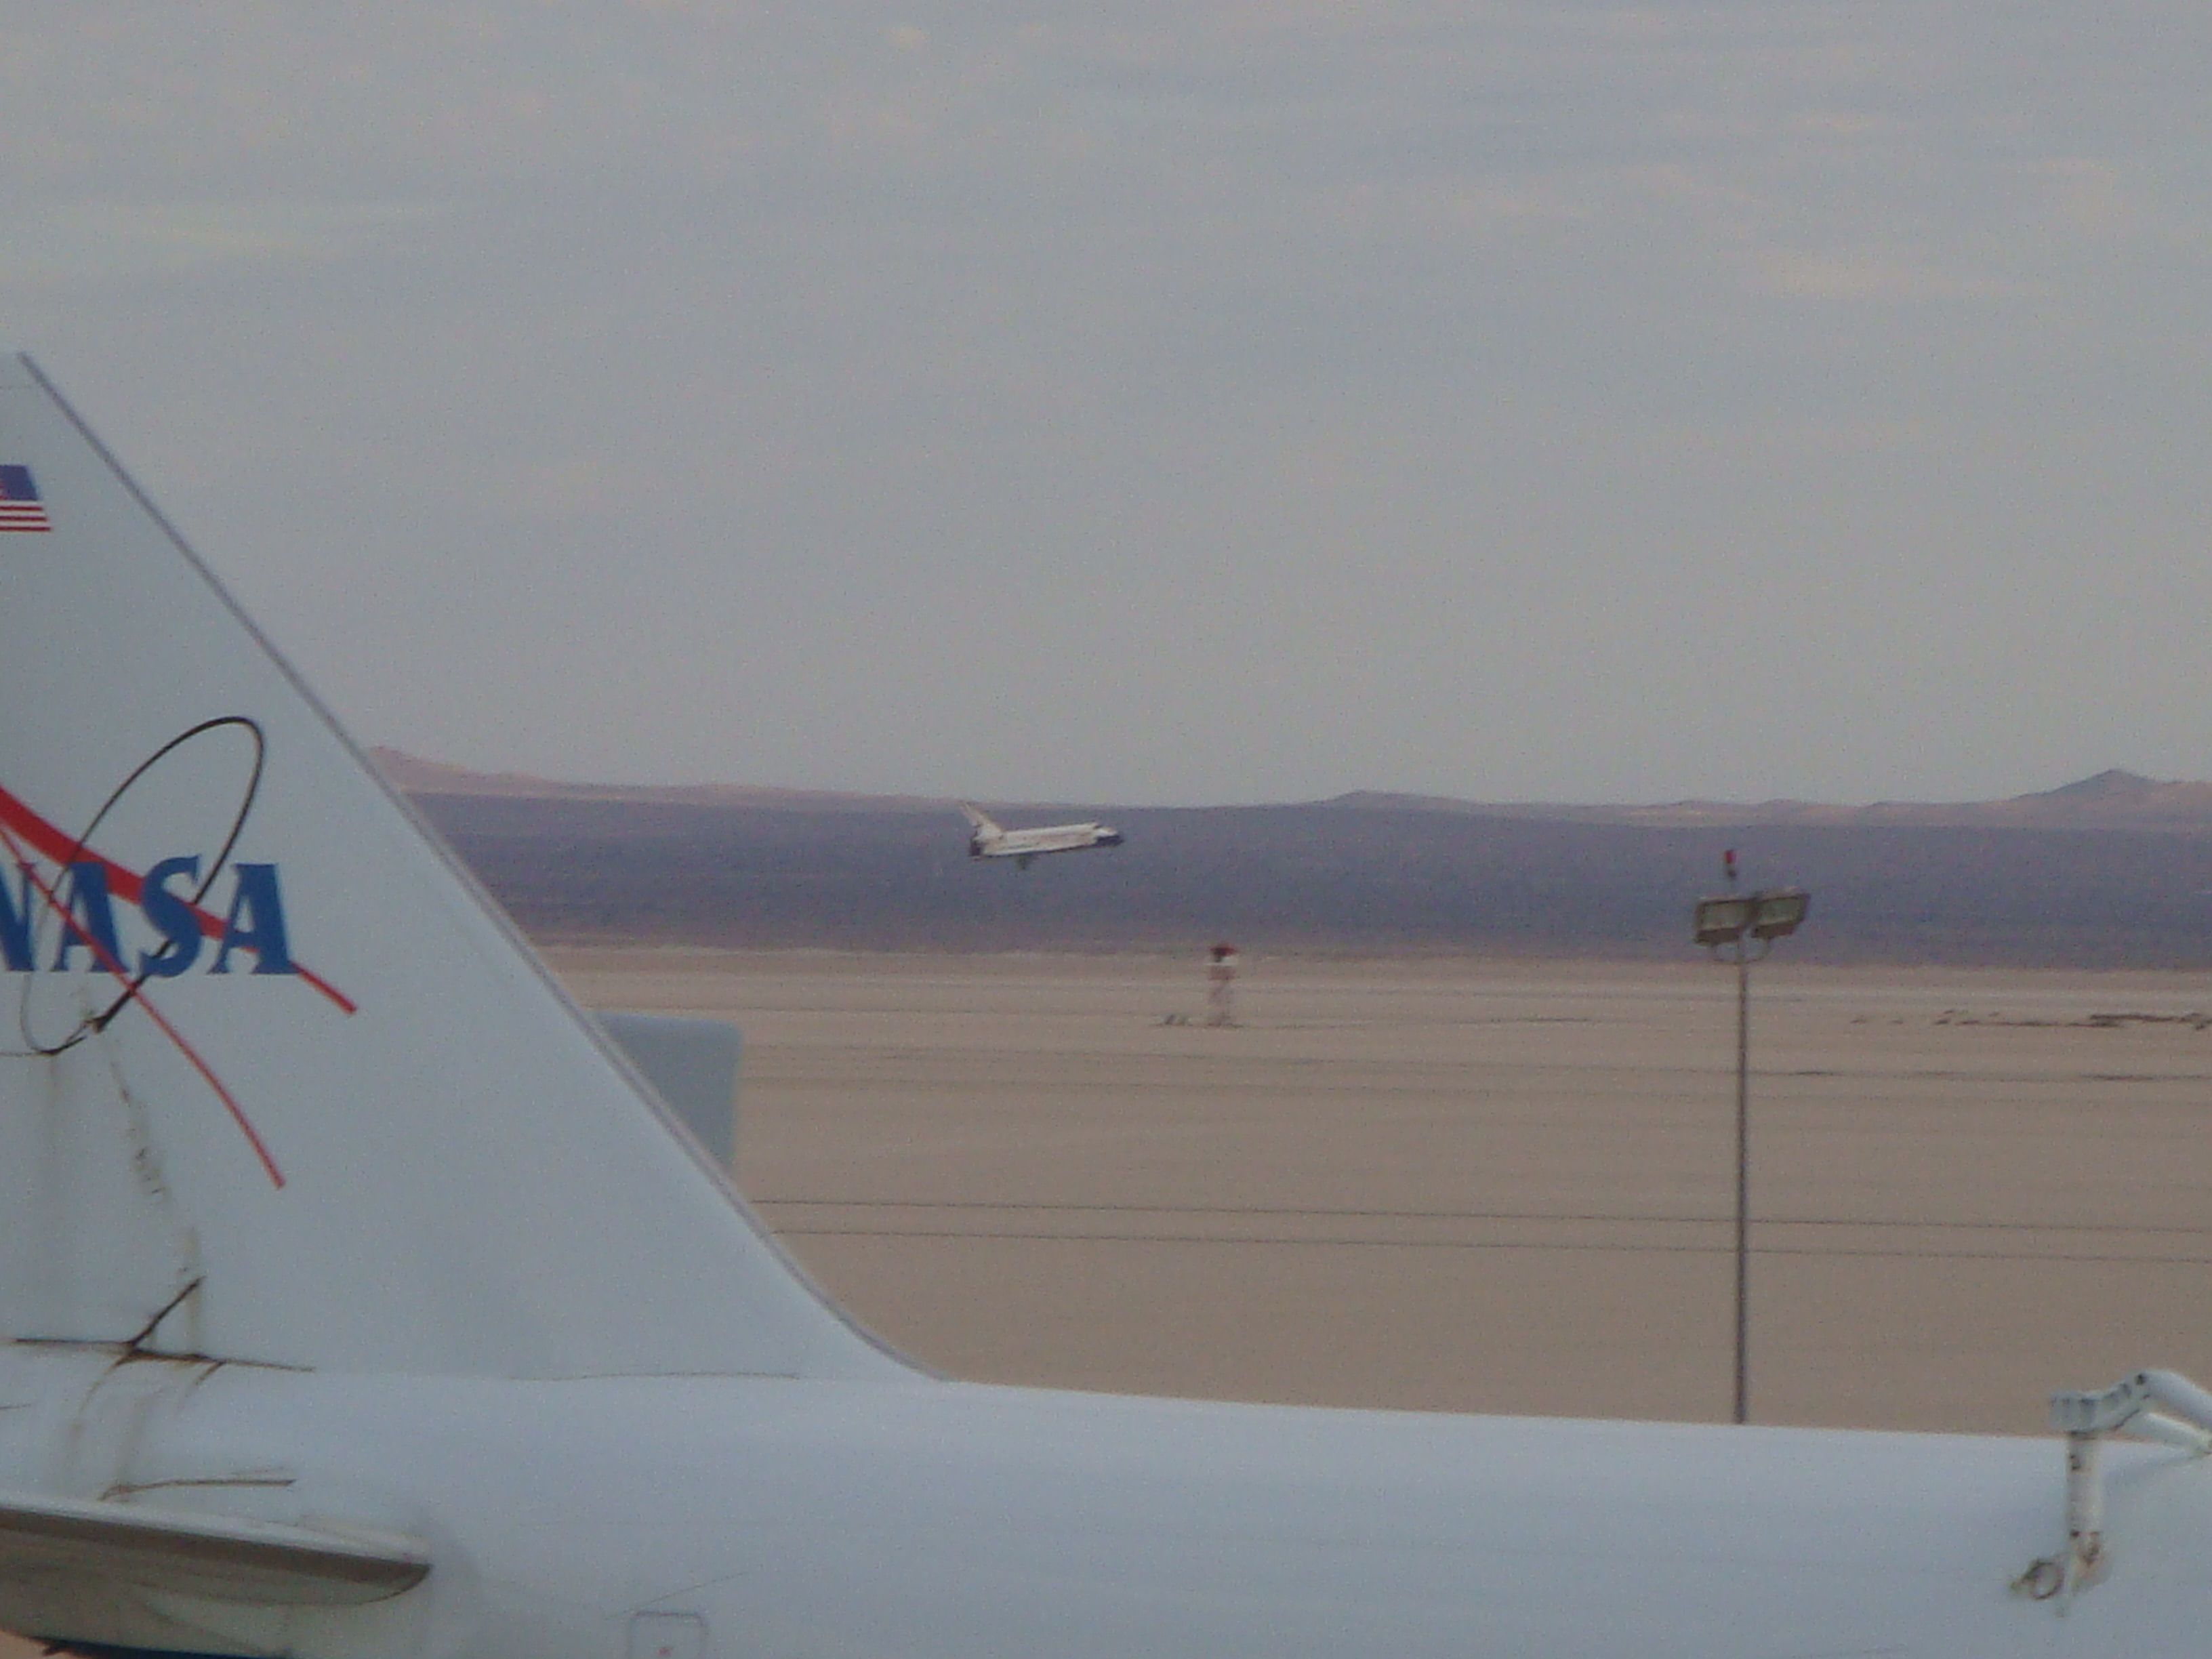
<point>19,506</point>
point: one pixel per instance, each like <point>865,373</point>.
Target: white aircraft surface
<point>359,1302</point>
<point>986,839</point>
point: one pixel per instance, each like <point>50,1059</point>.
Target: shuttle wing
<point>66,1544</point>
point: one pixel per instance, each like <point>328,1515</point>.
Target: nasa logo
<point>67,910</point>
<point>172,931</point>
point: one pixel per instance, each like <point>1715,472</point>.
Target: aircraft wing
<point>95,1545</point>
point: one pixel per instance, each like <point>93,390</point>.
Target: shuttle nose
<point>1110,837</point>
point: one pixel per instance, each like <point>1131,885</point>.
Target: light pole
<point>1750,923</point>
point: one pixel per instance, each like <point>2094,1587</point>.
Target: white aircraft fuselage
<point>924,1519</point>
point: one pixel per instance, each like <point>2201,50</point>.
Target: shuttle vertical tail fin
<point>982,833</point>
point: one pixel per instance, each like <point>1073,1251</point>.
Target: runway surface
<point>1481,1186</point>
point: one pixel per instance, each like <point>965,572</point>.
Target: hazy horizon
<point>398,761</point>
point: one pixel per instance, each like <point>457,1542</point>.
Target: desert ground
<point>1480,1185</point>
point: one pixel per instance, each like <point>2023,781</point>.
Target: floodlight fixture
<point>1777,914</point>
<point>1763,916</point>
<point>1723,921</point>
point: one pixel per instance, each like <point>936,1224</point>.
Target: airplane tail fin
<point>276,1082</point>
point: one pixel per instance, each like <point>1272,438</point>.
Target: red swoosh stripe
<point>60,848</point>
<point>136,993</point>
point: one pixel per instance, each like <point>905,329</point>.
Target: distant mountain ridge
<point>2114,871</point>
<point>412,775</point>
<point>2112,798</point>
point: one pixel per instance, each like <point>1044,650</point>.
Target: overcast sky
<point>1213,403</point>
